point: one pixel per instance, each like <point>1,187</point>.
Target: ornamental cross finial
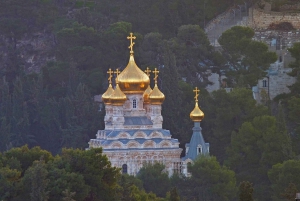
<point>155,75</point>
<point>110,72</point>
<point>148,71</point>
<point>196,90</point>
<point>117,72</point>
<point>131,38</point>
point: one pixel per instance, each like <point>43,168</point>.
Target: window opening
<point>134,103</point>
<point>264,83</point>
<point>124,169</point>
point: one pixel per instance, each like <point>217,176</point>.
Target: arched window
<point>264,83</point>
<point>124,169</point>
<point>199,149</point>
<point>134,103</point>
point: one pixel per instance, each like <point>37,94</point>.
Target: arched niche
<point>149,144</point>
<point>139,134</point>
<point>116,145</point>
<point>123,135</point>
<point>156,134</point>
<point>133,144</point>
<point>165,144</point>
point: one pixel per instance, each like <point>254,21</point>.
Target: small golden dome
<point>146,94</point>
<point>133,79</point>
<point>156,97</point>
<point>107,94</point>
<point>196,114</point>
<point>118,97</point>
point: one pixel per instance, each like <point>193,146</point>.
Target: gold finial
<point>131,37</point>
<point>155,75</point>
<point>148,71</point>
<point>196,90</point>
<point>110,72</point>
<point>117,72</point>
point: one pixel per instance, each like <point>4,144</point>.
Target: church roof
<point>196,141</point>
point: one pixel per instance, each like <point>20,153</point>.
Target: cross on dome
<point>155,74</point>
<point>131,38</point>
<point>196,90</point>
<point>110,72</point>
<point>148,71</point>
<point>117,72</point>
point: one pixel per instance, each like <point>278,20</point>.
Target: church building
<point>133,133</point>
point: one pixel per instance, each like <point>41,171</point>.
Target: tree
<point>9,181</point>
<point>246,57</point>
<point>225,113</point>
<point>96,170</point>
<point>281,176</point>
<point>35,178</point>
<point>290,192</point>
<point>193,54</point>
<point>174,195</point>
<point>254,148</point>
<point>209,181</point>
<point>26,156</point>
<point>154,179</point>
<point>246,191</point>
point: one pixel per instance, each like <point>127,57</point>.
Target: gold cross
<point>147,71</point>
<point>110,72</point>
<point>197,93</point>
<point>131,37</point>
<point>117,72</point>
<point>155,74</point>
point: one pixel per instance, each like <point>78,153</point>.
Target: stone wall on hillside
<point>261,19</point>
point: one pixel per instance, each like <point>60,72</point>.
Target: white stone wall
<point>261,19</point>
<point>275,83</point>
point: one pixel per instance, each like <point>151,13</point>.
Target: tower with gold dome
<point>197,145</point>
<point>133,133</point>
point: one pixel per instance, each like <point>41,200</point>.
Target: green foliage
<point>154,179</point>
<point>295,52</point>
<point>209,181</point>
<point>26,156</point>
<point>245,56</point>
<point>254,148</point>
<point>96,171</point>
<point>281,176</point>
<point>9,179</point>
<point>246,191</point>
<point>75,174</point>
<point>36,182</point>
<point>224,113</point>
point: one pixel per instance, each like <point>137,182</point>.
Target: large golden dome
<point>156,97</point>
<point>107,94</point>
<point>133,79</point>
<point>118,97</point>
<point>197,114</point>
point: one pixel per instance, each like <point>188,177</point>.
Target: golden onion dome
<point>107,94</point>
<point>146,94</point>
<point>133,79</point>
<point>156,97</point>
<point>197,114</point>
<point>117,97</point>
